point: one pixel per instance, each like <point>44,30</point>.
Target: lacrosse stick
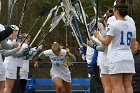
<point>48,17</point>
<point>71,13</point>
<point>44,8</point>
<point>17,82</point>
<point>79,5</point>
<point>94,6</point>
<point>76,6</point>
<point>73,30</point>
<point>97,13</point>
<point>67,60</point>
<point>21,20</point>
<point>54,23</point>
<point>10,10</point>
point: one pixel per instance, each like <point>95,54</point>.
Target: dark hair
<point>109,13</point>
<point>121,1</point>
<point>122,8</point>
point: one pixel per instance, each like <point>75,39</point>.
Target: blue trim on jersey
<point>94,57</point>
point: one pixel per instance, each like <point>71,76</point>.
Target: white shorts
<point>2,76</point>
<point>104,69</point>
<point>122,67</point>
<point>67,79</point>
<point>11,73</point>
<point>23,75</point>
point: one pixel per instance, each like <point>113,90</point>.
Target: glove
<point>91,31</point>
<point>26,51</point>
<point>82,50</point>
<point>26,54</point>
<point>40,47</point>
<point>92,44</point>
<point>32,52</point>
<point>14,27</point>
<point>84,57</point>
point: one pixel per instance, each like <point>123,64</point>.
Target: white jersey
<point>58,69</point>
<point>102,56</point>
<point>11,61</point>
<point>113,18</point>
<point>122,33</point>
<point>24,70</point>
<point>89,54</point>
<point>1,63</point>
<point>25,66</point>
<point>2,69</point>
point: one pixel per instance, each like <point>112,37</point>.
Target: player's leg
<point>106,82</point>
<point>105,78</point>
<point>67,86</point>
<point>117,83</point>
<point>59,84</point>
<point>127,81</point>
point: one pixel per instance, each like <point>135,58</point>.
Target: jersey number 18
<point>128,40</point>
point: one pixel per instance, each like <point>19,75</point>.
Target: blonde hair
<point>55,45</point>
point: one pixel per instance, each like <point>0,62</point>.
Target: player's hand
<point>40,47</point>
<point>67,50</point>
<point>96,33</point>
<point>36,64</point>
<point>19,46</point>
<point>16,44</point>
<point>92,44</point>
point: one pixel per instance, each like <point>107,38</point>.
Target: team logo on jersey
<point>57,64</point>
<point>11,74</point>
<point>125,26</point>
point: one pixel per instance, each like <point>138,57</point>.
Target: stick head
<point>15,28</point>
<point>2,28</point>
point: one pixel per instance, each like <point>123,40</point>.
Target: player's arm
<point>133,44</point>
<point>39,58</point>
<point>106,40</point>
<point>5,45</point>
<point>11,52</point>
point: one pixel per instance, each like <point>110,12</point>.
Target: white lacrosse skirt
<point>2,72</point>
<point>2,76</point>
<point>2,69</point>
<point>61,72</point>
<point>122,67</point>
